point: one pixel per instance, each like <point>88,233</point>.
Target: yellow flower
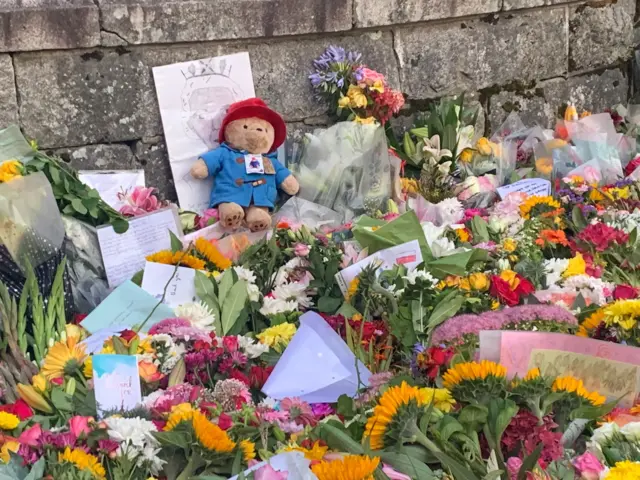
<point>441,398</point>
<point>248,450</point>
<point>357,97</point>
<point>350,467</point>
<point>495,305</point>
<point>625,470</point>
<point>532,374</point>
<point>509,245</point>
<point>409,185</point>
<point>511,278</point>
<point>465,285</point>
<point>462,234</point>
<point>8,421</point>
<point>8,447</point>
<point>210,435</point>
<point>87,369</point>
<point>344,102</point>
<point>167,257</point>
<point>353,288</point>
<point>575,385</point>
<point>277,336</point>
<point>483,145</point>
<point>63,357</point>
<point>10,170</point>
<point>533,201</point>
<point>590,323</point>
<point>316,452</point>
<point>570,114</point>
<point>212,254</point>
<point>576,266</point>
<point>595,195</point>
<point>365,121</point>
<point>617,193</point>
<point>392,401</point>
<point>180,413</point>
<point>466,156</point>
<point>544,165</point>
<point>378,86</point>
<point>472,371</point>
<point>83,461</point>
<point>39,382</point>
<point>623,312</point>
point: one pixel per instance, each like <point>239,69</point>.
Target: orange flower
<point>149,372</point>
<point>556,237</point>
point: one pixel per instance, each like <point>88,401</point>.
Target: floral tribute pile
<point>566,261</point>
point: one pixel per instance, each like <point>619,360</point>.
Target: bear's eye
<point>245,127</point>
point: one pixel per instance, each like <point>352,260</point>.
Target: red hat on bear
<point>255,107</point>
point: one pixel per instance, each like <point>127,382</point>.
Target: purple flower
<point>532,313</point>
<point>321,410</point>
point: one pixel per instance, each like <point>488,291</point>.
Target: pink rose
<point>301,249</point>
<point>208,217</point>
<point>268,473</point>
<point>514,464</point>
<point>30,436</point>
<point>79,425</point>
<point>588,466</point>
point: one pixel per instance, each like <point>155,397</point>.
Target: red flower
<point>128,335</point>
<point>19,409</point>
<point>238,375</point>
<point>501,290</point>
<point>199,345</point>
<point>601,236</point>
<point>432,359</point>
<point>79,317</point>
<point>230,343</point>
<point>633,164</point>
<point>160,424</point>
<point>625,292</point>
<point>258,376</point>
<point>57,381</point>
<point>525,287</point>
<point>225,422</point>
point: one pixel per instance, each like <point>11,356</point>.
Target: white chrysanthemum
<point>198,315</point>
<point>603,434</point>
<point>282,275</point>
<point>273,306</point>
<point>251,347</point>
<point>450,211</point>
<point>245,274</point>
<point>137,431</point>
<point>592,289</point>
<point>413,275</point>
<point>149,458</point>
<point>554,269</point>
<point>293,292</point>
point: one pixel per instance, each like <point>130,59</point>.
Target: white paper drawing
<point>193,98</point>
<point>110,184</point>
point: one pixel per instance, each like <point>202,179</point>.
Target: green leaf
<point>120,225</point>
<point>14,469</point>
<point>409,146</point>
<point>408,465</point>
<point>55,175</point>
<point>448,426</point>
<point>78,206</point>
<point>456,264</point>
<point>530,462</point>
<point>473,417</point>
<point>446,309</point>
<point>61,400</point>
<point>480,230</point>
<point>233,305</point>
<point>459,471</point>
<point>225,284</point>
<point>204,287</point>
<point>329,304</point>
<point>137,278</point>
<point>173,438</point>
<point>422,132</point>
<point>37,470</point>
<point>176,243</point>
<point>339,440</point>
<point>345,406</point>
<point>119,346</point>
<point>578,218</point>
<point>593,413</point>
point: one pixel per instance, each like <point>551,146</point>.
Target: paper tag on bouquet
<point>530,186</point>
<point>317,365</point>
<point>407,254</point>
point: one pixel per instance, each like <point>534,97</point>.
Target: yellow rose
<point>466,156</point>
<point>39,382</point>
<point>465,284</point>
<point>357,97</point>
<point>484,147</point>
<point>511,278</point>
<point>377,86</point>
<point>344,102</point>
<point>509,245</point>
<point>479,281</point>
<point>452,281</point>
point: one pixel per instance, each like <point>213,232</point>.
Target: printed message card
<point>116,382</point>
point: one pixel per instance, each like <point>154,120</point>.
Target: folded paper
<point>175,284</point>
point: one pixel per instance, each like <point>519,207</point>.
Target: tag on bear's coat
<point>253,163</point>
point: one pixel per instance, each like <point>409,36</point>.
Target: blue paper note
<point>128,306</point>
<point>116,382</point>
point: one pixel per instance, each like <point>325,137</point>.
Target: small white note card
<point>530,186</point>
<point>110,183</point>
<point>180,289</point>
<point>116,382</point>
<point>124,254</point>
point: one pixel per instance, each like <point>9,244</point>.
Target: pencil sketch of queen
<point>207,93</point>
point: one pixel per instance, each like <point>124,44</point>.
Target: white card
<point>530,186</point>
<point>111,183</point>
<point>124,254</point>
<point>407,254</point>
<point>181,288</point>
<point>116,382</point>
<point>253,163</point>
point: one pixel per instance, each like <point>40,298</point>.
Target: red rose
<point>625,292</point>
<point>258,376</point>
<point>225,422</point>
<point>128,335</point>
<point>525,287</point>
<point>230,344</point>
<point>238,375</point>
<point>199,345</point>
<point>501,290</point>
<point>19,409</point>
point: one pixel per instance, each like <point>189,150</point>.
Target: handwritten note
<point>127,306</point>
<point>407,254</point>
<point>181,289</point>
<point>124,254</point>
<point>116,382</point>
<point>110,183</point>
<point>530,186</point>
<point>607,377</point>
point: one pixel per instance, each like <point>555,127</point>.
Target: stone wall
<point>76,74</point>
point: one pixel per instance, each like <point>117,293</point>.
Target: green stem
<point>422,439</point>
<point>195,462</point>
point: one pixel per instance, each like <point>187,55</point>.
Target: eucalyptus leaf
<point>233,305</point>
<point>225,284</point>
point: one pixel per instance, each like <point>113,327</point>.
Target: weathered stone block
<point>471,55</point>
<point>371,13</point>
<point>8,101</point>
<point>600,36</point>
<point>515,4</point>
<point>101,96</point>
<point>162,21</point>
<point>98,157</point>
<point>541,103</point>
<point>151,155</point>
<point>48,24</point>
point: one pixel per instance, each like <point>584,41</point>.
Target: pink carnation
<point>180,329</point>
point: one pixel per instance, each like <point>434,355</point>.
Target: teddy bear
<point>245,167</point>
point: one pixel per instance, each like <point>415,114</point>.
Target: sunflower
<point>591,323</point>
<point>63,358</point>
<point>351,467</point>
<point>180,413</point>
<point>83,461</point>
<point>625,470</point>
<point>210,435</point>
<point>534,201</point>
<point>167,257</point>
<point>472,371</point>
<point>574,385</point>
<point>212,254</point>
<point>623,312</point>
<point>403,401</point>
<point>532,374</point>
<point>248,450</point>
<point>353,288</point>
<point>316,452</point>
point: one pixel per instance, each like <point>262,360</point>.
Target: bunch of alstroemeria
<point>613,451</point>
<point>352,90</point>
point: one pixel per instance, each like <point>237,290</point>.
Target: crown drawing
<point>203,68</point>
